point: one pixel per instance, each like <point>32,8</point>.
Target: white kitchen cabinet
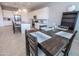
<point>8,14</point>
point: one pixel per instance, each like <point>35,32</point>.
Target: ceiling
<point>28,5</point>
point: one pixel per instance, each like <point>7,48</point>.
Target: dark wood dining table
<point>52,46</point>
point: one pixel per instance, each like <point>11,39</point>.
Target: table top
<point>53,45</point>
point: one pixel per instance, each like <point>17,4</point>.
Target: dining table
<point>52,46</point>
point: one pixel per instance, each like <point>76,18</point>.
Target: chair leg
<point>66,54</point>
<point>13,29</point>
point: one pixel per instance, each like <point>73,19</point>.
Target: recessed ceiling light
<point>5,4</point>
<point>24,10</point>
<point>16,12</point>
<point>19,10</point>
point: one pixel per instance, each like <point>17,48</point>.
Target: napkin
<point>40,36</point>
<point>64,34</point>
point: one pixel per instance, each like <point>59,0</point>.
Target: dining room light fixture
<point>24,10</point>
<point>19,10</point>
<point>16,12</point>
<point>6,4</point>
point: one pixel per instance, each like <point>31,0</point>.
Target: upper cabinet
<point>7,13</point>
<point>40,13</point>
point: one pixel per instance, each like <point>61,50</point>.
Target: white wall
<point>42,13</point>
<point>25,18</point>
<point>1,17</point>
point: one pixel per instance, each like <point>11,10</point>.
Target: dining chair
<point>32,46</point>
<point>16,26</point>
<point>13,27</point>
<point>68,46</point>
